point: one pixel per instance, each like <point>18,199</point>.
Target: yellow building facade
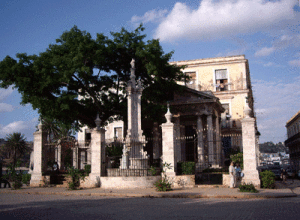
<point>228,78</point>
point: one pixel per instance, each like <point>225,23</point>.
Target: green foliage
<point>267,179</point>
<point>15,147</point>
<point>238,158</point>
<point>247,188</point>
<point>53,80</point>
<point>186,168</point>
<point>13,176</point>
<point>26,178</point>
<point>76,175</point>
<point>164,184</point>
<point>115,150</point>
<point>154,171</point>
<point>87,169</point>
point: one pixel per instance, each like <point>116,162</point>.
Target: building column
<point>97,155</point>
<point>75,157</point>
<point>39,163</point>
<point>218,141</point>
<point>210,139</point>
<point>168,145</point>
<point>200,144</point>
<point>249,149</point>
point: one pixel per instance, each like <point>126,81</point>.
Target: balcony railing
<point>231,123</point>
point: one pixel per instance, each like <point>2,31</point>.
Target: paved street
<point>20,206</point>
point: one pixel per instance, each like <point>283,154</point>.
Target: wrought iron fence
<point>131,157</point>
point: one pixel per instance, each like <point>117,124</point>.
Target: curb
<point>160,195</point>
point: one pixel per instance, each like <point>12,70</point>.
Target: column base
<point>36,180</point>
<point>94,179</point>
<point>251,177</point>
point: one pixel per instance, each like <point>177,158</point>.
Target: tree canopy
<point>96,69</point>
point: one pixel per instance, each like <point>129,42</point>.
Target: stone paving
<point>282,190</point>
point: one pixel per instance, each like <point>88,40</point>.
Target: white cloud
<point>266,51</point>
<point>269,64</point>
<point>218,19</point>
<point>280,43</point>
<point>6,107</point>
<point>150,16</point>
<point>295,63</point>
<point>275,103</point>
<point>25,127</point>
<point>4,93</point>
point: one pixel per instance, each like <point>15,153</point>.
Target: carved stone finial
<point>132,63</point>
<point>98,122</point>
<point>40,126</point>
<point>168,115</point>
<point>247,111</point>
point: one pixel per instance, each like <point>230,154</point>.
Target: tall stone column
<point>210,139</point>
<point>97,155</point>
<point>249,149</point>
<point>200,144</point>
<point>40,138</point>
<point>168,145</point>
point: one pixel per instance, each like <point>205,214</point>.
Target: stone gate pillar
<point>40,138</point>
<point>97,155</point>
<point>168,144</point>
<point>249,149</point>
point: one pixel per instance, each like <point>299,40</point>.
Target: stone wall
<point>122,182</point>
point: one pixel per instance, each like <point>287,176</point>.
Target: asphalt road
<point>54,207</point>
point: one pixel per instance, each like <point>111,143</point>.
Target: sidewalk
<point>196,192</point>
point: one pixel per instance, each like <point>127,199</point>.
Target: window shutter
<point>221,74</point>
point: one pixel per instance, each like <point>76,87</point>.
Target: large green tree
<point>96,69</point>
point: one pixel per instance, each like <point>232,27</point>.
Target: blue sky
<point>266,31</point>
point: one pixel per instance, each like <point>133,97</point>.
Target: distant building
<point>293,141</point>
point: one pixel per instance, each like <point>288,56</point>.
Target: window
<point>118,132</point>
<point>221,77</point>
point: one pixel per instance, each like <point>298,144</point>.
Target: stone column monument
<point>40,138</point>
<point>135,140</point>
<point>249,149</point>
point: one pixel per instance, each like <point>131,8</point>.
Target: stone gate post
<point>168,145</point>
<point>249,149</point>
<point>40,138</point>
<point>97,155</point>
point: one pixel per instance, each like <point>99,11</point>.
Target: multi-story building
<point>229,80</point>
<point>293,141</point>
